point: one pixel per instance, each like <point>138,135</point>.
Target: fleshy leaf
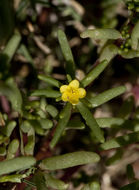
<point>15,164</point>
<point>90,121</point>
<point>121,141</point>
<point>108,53</point>
<point>94,73</point>
<point>49,80</point>
<point>10,90</point>
<point>70,65</point>
<point>107,33</point>
<point>106,96</point>
<point>46,93</point>
<point>62,123</point>
<point>55,183</point>
<point>69,160</point>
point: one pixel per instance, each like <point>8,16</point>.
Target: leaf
<point>46,93</point>
<point>106,96</point>
<point>109,121</point>
<point>15,178</point>
<point>11,46</point>
<point>26,127</point>
<point>49,80</point>
<point>62,123</point>
<point>8,129</point>
<point>12,149</point>
<point>52,110</point>
<point>45,123</point>
<point>90,121</point>
<point>10,90</point>
<point>55,183</point>
<point>69,160</point>
<point>15,164</point>
<point>130,54</point>
<point>132,186</point>
<point>108,53</point>
<point>94,73</point>
<point>107,33</point>
<point>121,141</point>
<point>70,65</point>
<point>75,124</point>
<point>135,36</point>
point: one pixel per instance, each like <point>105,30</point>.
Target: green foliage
<point>92,75</point>
<point>10,90</point>
<point>70,65</point>
<point>91,122</point>
<point>63,121</point>
<point>16,164</point>
<point>33,117</point>
<point>106,96</point>
<point>100,33</point>
<point>69,160</point>
<point>121,141</point>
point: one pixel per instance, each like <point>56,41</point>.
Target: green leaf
<point>130,54</point>
<point>15,178</point>
<point>27,127</point>
<point>49,80</point>
<point>109,121</point>
<point>55,183</point>
<point>106,96</point>
<point>135,36</point>
<point>10,90</point>
<point>70,65</point>
<point>121,141</point>
<point>107,33</point>
<point>12,149</point>
<point>90,121</point>
<point>8,129</point>
<point>11,46</point>
<point>15,164</point>
<point>46,123</point>
<point>62,123</point>
<point>108,53</point>
<point>69,160</point>
<point>46,93</point>
<point>53,111</point>
<point>94,73</point>
<point>75,124</point>
<point>132,186</point>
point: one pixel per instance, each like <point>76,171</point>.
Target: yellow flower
<point>72,93</point>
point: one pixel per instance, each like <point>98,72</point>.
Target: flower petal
<point>82,92</point>
<point>74,84</point>
<point>65,97</point>
<point>63,88</point>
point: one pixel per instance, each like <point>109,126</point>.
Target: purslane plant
<point>37,117</point>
